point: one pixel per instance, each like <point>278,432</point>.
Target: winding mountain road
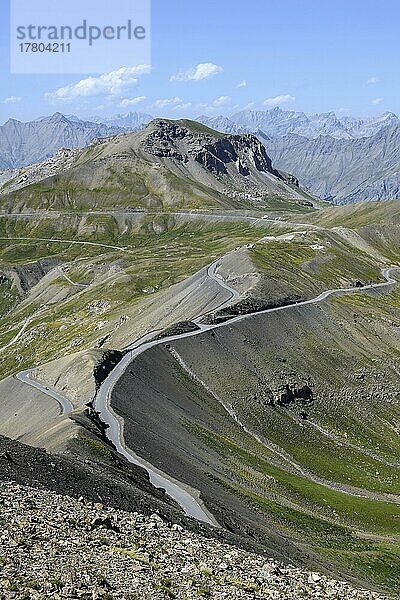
<point>60,241</point>
<point>210,216</point>
<point>188,498</point>
<point>18,335</point>
<point>65,404</point>
<point>25,324</point>
<point>76,284</point>
<point>212,274</point>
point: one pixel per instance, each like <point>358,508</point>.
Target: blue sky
<point>217,57</point>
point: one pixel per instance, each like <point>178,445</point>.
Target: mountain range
<point>131,120</point>
<point>23,144</point>
<point>338,158</point>
<point>183,164</point>
<point>26,143</point>
<point>276,123</point>
<point>343,170</point>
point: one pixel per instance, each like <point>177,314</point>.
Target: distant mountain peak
<point>57,117</point>
<point>23,144</point>
<point>222,123</point>
<point>347,169</point>
<point>278,122</point>
<point>131,120</point>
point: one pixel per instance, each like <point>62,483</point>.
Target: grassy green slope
<point>294,473</point>
<point>329,480</point>
<point>323,480</point>
<point>158,254</point>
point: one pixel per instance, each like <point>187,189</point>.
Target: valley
<point>171,299</point>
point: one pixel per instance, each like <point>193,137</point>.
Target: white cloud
<point>165,102</point>
<point>113,84</point>
<point>249,106</point>
<point>373,80</point>
<point>242,84</point>
<point>184,106</point>
<point>278,100</point>
<point>176,104</point>
<point>377,101</point>
<point>11,100</point>
<point>131,102</point>
<point>197,73</point>
<point>221,101</point>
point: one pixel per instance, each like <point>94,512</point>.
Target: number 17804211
<point>41,47</point>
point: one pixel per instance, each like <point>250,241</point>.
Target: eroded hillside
<point>282,412</point>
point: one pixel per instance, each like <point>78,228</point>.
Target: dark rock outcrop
<point>179,328</point>
<point>292,393</point>
<point>249,305</point>
<point>212,150</point>
<point>104,367</point>
<point>24,277</point>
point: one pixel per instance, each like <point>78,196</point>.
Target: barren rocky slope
<point>55,547</point>
<point>252,413</point>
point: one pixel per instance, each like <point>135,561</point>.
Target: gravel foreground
<point>53,546</point>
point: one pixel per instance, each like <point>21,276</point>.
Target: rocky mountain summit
<point>57,547</point>
<point>168,163</point>
<point>235,164</point>
<point>216,153</point>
